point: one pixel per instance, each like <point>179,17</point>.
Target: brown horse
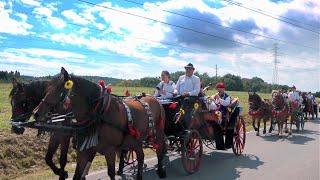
<point>280,112</point>
<point>259,109</point>
<point>110,118</point>
<point>24,98</point>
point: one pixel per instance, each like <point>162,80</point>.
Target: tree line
<point>232,82</point>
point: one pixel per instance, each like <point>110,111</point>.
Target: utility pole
<point>216,73</point>
<point>275,78</point>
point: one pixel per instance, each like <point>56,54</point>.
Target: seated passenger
<point>165,89</point>
<point>220,100</point>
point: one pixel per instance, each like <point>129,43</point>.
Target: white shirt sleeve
<point>177,86</point>
<point>196,84</point>
<point>225,102</point>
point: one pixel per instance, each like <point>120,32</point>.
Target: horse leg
<point>52,148</point>
<point>84,159</point>
<point>111,161</point>
<point>290,130</point>
<point>258,129</point>
<point>121,162</point>
<point>161,152</point>
<point>64,146</point>
<point>279,128</point>
<point>264,126</point>
<point>254,124</point>
<point>140,159</point>
<point>286,125</point>
<point>270,129</point>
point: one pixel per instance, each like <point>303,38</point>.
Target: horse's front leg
<point>271,125</point>
<point>286,124</point>
<point>52,148</point>
<point>254,124</point>
<point>84,160</point>
<point>111,161</point>
<point>290,130</point>
<point>265,126</point>
<point>64,146</point>
<point>258,129</point>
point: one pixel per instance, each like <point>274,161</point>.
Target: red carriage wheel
<point>191,151</point>
<point>239,137</point>
<point>130,157</point>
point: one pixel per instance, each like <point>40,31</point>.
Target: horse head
<point>278,101</point>
<point>254,100</point>
<point>65,92</point>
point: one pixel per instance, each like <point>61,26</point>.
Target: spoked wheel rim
<point>192,150</point>
<point>239,138</point>
<point>130,157</point>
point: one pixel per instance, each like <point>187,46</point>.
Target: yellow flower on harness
<point>196,106</point>
<point>181,111</point>
<point>68,84</point>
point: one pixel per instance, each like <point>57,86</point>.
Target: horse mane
<point>36,89</point>
<point>88,89</point>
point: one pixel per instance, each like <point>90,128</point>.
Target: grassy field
<point>23,156</point>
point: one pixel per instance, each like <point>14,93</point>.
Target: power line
<point>271,16</point>
<point>226,27</point>
<point>173,25</point>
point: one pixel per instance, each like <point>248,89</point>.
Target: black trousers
<point>222,144</point>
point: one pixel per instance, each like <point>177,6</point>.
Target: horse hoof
<point>290,133</point>
<point>139,177</point>
<point>63,175</point>
<point>161,173</point>
<point>270,130</point>
<point>119,173</point>
<point>255,129</point>
<point>257,134</point>
<point>264,131</point>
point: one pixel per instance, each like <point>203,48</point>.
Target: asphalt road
<point>266,157</point>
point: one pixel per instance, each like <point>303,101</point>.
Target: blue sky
<point>38,37</point>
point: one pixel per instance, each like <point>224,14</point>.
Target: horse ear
<point>64,74</point>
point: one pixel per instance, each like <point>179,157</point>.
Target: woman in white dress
<point>164,90</point>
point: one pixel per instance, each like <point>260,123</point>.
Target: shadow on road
<point>298,137</point>
<point>216,165</point>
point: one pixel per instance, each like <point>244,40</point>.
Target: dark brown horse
<point>24,98</point>
<point>111,124</point>
<point>280,112</point>
<point>308,106</point>
<point>259,109</point>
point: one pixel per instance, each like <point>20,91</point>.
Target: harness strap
<point>151,125</point>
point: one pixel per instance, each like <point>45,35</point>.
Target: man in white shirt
<point>165,89</point>
<point>293,96</point>
<point>188,84</point>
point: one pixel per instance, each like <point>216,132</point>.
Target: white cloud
<point>59,54</point>
<point>10,25</point>
<point>31,2</point>
<point>198,57</point>
<point>47,14</point>
<point>70,14</point>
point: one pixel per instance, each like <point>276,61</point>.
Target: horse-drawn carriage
<point>190,124</point>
